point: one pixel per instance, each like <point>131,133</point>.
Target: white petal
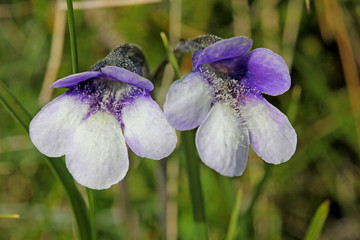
<point>98,155</point>
<point>271,134</point>
<point>222,141</point>
<point>51,129</point>
<point>188,101</point>
<point>146,129</point>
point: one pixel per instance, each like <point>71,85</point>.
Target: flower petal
<point>75,79</point>
<point>51,129</point>
<point>224,49</point>
<point>271,134</point>
<point>146,129</point>
<point>268,71</point>
<point>188,101</point>
<point>128,77</point>
<point>98,155</point>
<point>222,141</point>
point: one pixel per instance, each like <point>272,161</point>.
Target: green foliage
<point>318,221</point>
<point>325,165</point>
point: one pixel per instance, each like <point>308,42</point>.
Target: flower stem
<point>71,20</point>
<point>92,212</point>
<point>77,202</point>
<point>74,57</point>
<point>192,162</point>
<point>171,55</point>
<point>57,166</point>
<point>193,171</point>
<point>246,217</point>
<point>234,217</point>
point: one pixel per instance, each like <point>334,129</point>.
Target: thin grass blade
<point>231,234</point>
<point>58,167</point>
<point>192,162</point>
<point>317,222</point>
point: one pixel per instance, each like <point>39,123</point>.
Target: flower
<point>84,124</point>
<point>223,96</point>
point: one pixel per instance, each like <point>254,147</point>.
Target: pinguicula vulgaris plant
<point>84,124</point>
<point>223,96</point>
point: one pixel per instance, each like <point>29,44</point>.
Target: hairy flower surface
<point>84,124</point>
<point>223,95</point>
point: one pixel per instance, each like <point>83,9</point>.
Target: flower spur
<point>84,124</point>
<point>223,97</point>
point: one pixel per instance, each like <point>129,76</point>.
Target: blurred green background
<point>319,40</point>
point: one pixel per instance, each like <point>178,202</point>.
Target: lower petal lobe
<point>97,157</point>
<point>271,134</point>
<point>146,129</point>
<point>188,101</point>
<point>53,127</point>
<point>222,141</point>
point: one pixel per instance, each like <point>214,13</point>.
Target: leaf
<point>78,206</point>
<point>231,234</point>
<point>318,221</point>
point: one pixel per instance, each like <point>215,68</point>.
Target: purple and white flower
<point>223,96</point>
<point>84,124</point>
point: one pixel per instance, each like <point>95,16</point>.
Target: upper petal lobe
<point>268,71</point>
<point>126,76</point>
<point>224,49</point>
<point>75,79</point>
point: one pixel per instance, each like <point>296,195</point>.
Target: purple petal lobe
<point>52,128</point>
<point>271,134</point>
<point>146,130</point>
<point>188,101</point>
<point>97,157</point>
<point>222,141</point>
<point>268,71</point>
<point>123,75</point>
<point>224,49</point>
<point>75,79</point>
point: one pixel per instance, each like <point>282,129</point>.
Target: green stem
<point>259,189</point>
<point>231,234</point>
<point>171,55</point>
<point>73,45</point>
<point>77,202</point>
<point>12,105</point>
<point>57,166</point>
<point>193,171</point>
<point>74,56</point>
<point>92,211</point>
<point>246,218</point>
<point>192,161</point>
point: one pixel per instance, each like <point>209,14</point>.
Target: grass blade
<point>231,234</point>
<point>71,19</point>
<point>58,167</point>
<point>244,228</point>
<point>192,162</point>
<point>318,221</point>
<point>9,216</point>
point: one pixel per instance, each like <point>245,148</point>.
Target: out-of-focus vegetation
<point>321,45</point>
